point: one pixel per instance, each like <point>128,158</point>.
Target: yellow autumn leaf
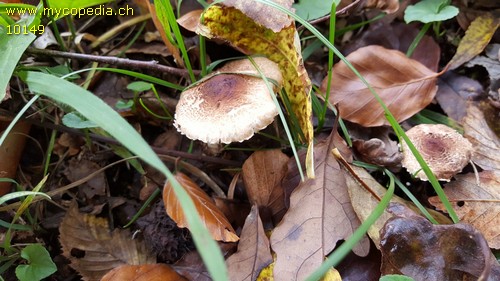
<point>244,34</point>
<point>477,36</point>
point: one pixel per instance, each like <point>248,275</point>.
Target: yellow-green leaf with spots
<point>244,34</point>
<point>477,36</point>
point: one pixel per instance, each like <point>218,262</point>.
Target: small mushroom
<point>445,151</point>
<point>230,106</point>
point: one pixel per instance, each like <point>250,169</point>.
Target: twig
<point>128,63</point>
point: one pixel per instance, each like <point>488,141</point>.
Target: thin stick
<point>128,63</point>
<point>346,165</point>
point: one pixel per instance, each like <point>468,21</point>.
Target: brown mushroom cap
<point>445,151</point>
<point>228,107</point>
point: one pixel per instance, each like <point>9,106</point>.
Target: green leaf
<point>40,264</point>
<point>11,49</point>
<point>124,104</point>
<point>72,120</point>
<point>93,108</point>
<point>429,11</point>
<point>313,9</point>
<point>395,277</point>
<point>139,86</point>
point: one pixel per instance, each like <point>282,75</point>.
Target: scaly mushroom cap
<point>227,107</point>
<point>444,150</point>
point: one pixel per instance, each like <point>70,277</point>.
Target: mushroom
<point>229,106</point>
<point>445,151</point>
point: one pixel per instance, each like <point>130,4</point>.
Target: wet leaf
<point>147,272</point>
<point>476,203</point>
<point>263,172</point>
<point>477,36</point>
<point>412,246</point>
<point>320,215</point>
<point>486,144</point>
<point>282,47</point>
<point>211,216</point>
<point>93,249</point>
<point>405,86</point>
<point>254,252</point>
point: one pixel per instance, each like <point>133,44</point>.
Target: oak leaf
<point>405,85</point>
<point>476,203</point>
<point>215,221</point>
<point>253,253</point>
<point>320,215</point>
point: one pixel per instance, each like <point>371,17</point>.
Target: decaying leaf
<point>263,14</point>
<point>263,172</point>
<point>254,252</point>
<point>243,33</point>
<point>320,215</point>
<point>477,204</point>
<point>412,246</point>
<point>486,144</point>
<point>363,202</point>
<point>80,168</point>
<point>147,272</point>
<point>93,249</point>
<point>11,151</point>
<point>477,36</point>
<point>405,86</point>
<point>211,216</point>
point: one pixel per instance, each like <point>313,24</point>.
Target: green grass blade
<point>94,109</point>
<point>12,48</point>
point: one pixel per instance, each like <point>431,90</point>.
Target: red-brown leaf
<point>405,85</point>
<point>215,221</point>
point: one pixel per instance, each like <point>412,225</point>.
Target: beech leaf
<point>93,250</point>
<point>320,215</point>
<point>254,252</point>
<point>250,37</point>
<point>263,172</point>
<point>476,203</point>
<point>476,38</point>
<point>214,220</point>
<point>405,85</point>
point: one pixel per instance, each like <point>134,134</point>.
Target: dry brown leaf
<point>388,6</point>
<point>147,272</point>
<point>405,86</point>
<point>80,168</point>
<point>263,14</point>
<point>253,253</point>
<point>364,202</point>
<point>93,250</point>
<point>486,144</point>
<point>476,204</point>
<point>190,20</point>
<point>263,172</point>
<point>477,36</point>
<point>412,246</point>
<point>320,215</point>
<point>211,216</point>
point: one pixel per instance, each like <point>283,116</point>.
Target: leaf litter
<point>294,225</point>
